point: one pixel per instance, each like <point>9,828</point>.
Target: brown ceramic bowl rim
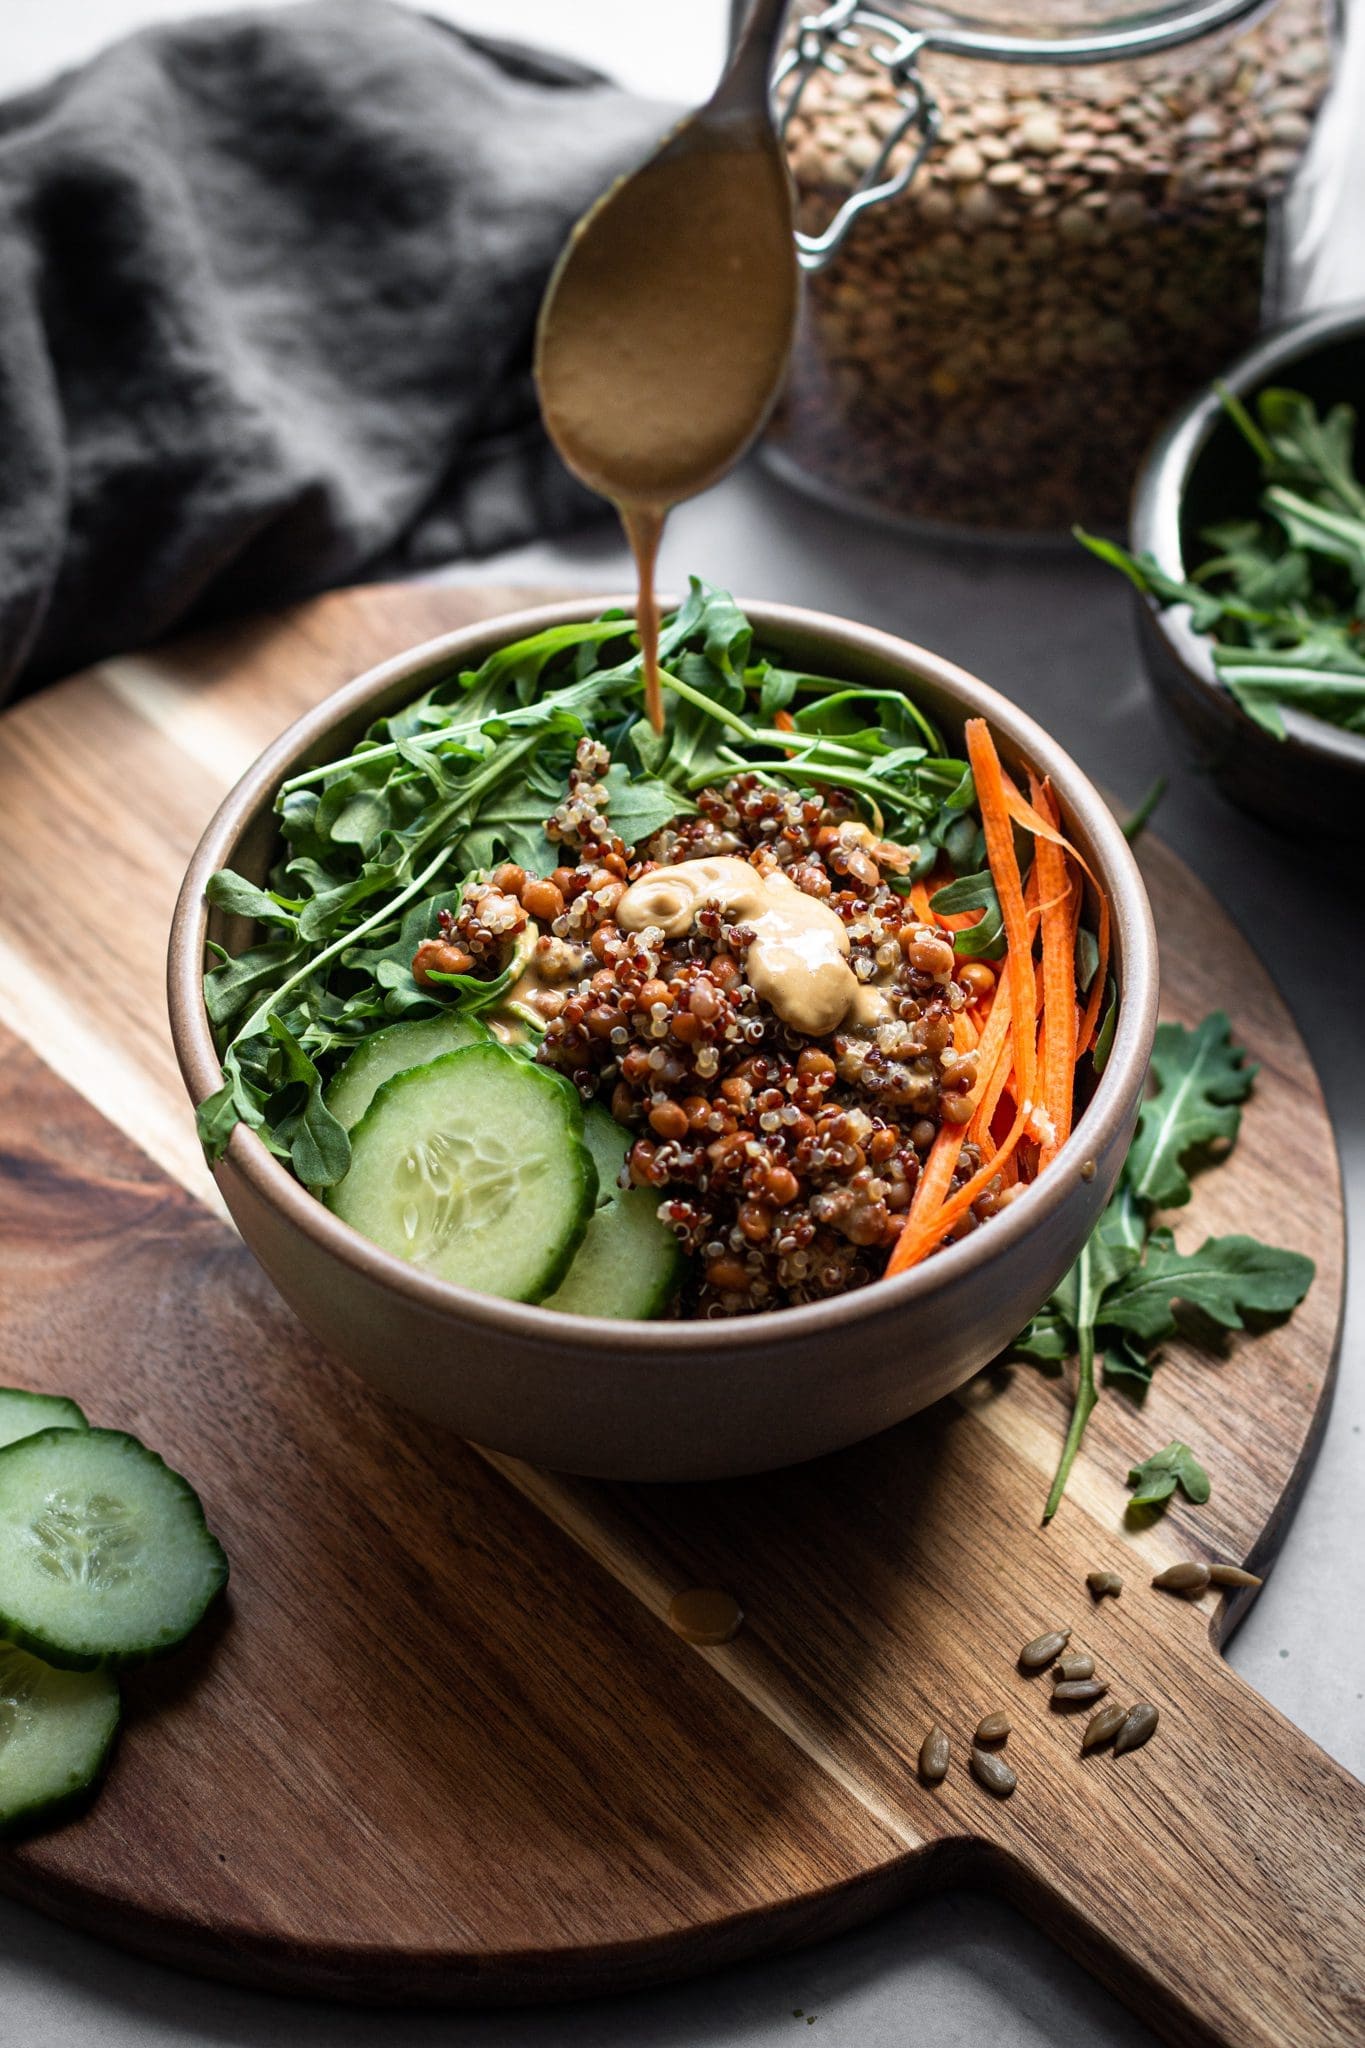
<point>274,1185</point>
<point>1158,511</point>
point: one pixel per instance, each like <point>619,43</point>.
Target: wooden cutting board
<point>440,1743</point>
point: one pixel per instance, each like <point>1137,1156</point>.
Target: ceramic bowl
<point>1200,471</point>
<point>671,1400</point>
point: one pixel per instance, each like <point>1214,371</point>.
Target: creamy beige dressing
<point>798,961</point>
<point>664,337</point>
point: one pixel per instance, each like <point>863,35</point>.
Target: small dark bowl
<point>1200,471</point>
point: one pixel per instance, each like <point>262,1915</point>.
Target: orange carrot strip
<point>1089,1024</point>
<point>1026,815</point>
<point>937,1176</point>
<point>1058,1036</point>
<point>1004,867</point>
<point>919,1238</point>
<point>992,1061</point>
<point>965,1032</point>
<point>919,898</point>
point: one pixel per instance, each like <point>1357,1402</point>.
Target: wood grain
<point>441,1742</point>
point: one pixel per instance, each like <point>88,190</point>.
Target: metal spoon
<point>666,327</point>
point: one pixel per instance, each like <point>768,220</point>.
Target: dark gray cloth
<point>268,285</point>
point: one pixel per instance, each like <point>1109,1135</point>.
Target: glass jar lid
<point>1054,32</point>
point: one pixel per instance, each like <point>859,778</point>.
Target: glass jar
<point>1018,266</point>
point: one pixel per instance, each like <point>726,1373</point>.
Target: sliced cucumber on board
<point>56,1728</point>
<point>105,1557</point>
<point>396,1050</point>
<point>629,1264</point>
<point>23,1414</point>
<point>474,1168</point>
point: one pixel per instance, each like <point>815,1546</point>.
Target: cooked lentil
<point>785,1168</point>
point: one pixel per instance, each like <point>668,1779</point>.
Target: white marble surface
<point>1054,632</point>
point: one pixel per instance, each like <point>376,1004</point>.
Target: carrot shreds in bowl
<point>935,1180</point>
<point>994,1063</point>
<point>922,1235</point>
<point>1009,887</point>
<point>1058,1066</point>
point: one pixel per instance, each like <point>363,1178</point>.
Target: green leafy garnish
<point>1201,1077</point>
<point>1283,593</point>
<point>1130,1287</point>
<point>1156,1478</point>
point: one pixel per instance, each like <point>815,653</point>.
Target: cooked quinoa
<point>784,1165</point>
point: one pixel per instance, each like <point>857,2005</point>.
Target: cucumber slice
<point>23,1414</point>
<point>629,1264</point>
<point>105,1559</point>
<point>474,1168</point>
<point>56,1728</point>
<point>395,1050</point>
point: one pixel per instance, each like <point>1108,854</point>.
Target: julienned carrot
<point>992,1062</point>
<point>1026,815</point>
<point>934,1182</point>
<point>1004,866</point>
<point>1090,1020</point>
<point>919,900</point>
<point>920,1237</point>
<point>1058,1064</point>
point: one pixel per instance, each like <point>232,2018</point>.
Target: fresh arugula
<point>377,843</point>
<point>1130,1287</point>
<point>1283,593</point>
<point>1201,1078</point>
<point>1156,1478</point>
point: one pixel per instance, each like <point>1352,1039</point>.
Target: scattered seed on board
<point>1044,1650</point>
<point>1232,1575</point>
<point>1079,1664</point>
<point>1074,1692</point>
<point>1189,1578</point>
<point>1101,1583</point>
<point>994,1728</point>
<point>1103,1726</point>
<point>933,1756</point>
<point>1139,1725</point>
<point>993,1772</point>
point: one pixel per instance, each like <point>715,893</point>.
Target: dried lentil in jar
<point>1081,248</point>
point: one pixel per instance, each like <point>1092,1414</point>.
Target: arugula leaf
<point>1157,1477</point>
<point>1201,1076</point>
<point>1307,450</point>
<point>240,898</point>
<point>1282,593</point>
<point>1225,1276</point>
<point>641,806</point>
<point>1140,818</point>
<point>984,940</point>
<point>1125,1292</point>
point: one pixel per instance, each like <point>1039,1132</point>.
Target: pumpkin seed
<point>1232,1575</point>
<point>1074,1692</point>
<point>933,1756</point>
<point>1103,1726</point>
<point>995,1728</point>
<point>1189,1578</point>
<point>1044,1650</point>
<point>1101,1583</point>
<point>993,1772</point>
<point>1139,1725</point>
<point>1080,1664</point>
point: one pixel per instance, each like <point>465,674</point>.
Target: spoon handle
<point>747,77</point>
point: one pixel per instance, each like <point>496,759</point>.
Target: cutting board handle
<point>1245,1927</point>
